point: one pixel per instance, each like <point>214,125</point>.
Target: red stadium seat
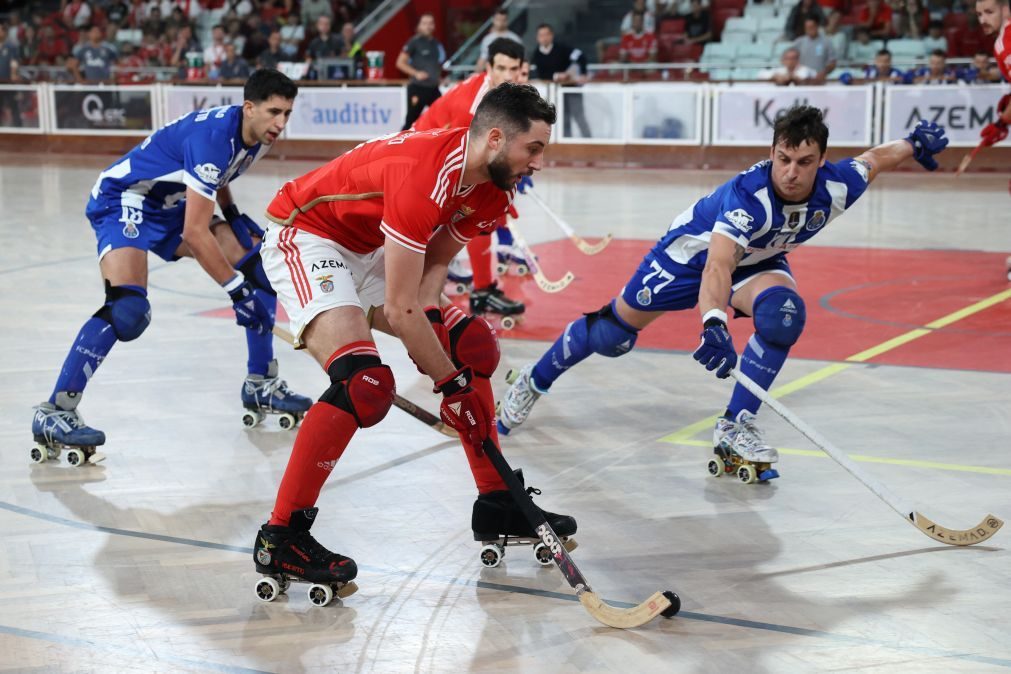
<point>956,20</point>
<point>612,53</point>
<point>954,37</point>
<point>671,26</point>
<point>717,5</point>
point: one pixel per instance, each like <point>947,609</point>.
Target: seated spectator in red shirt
<point>130,62</point>
<point>51,46</point>
<point>637,45</point>
<point>876,17</point>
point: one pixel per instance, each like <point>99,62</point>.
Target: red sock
<point>325,432</point>
<point>479,250</point>
<point>485,475</point>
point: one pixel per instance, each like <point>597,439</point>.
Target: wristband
<point>233,283</point>
<point>717,314</point>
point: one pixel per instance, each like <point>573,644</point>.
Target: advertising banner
<point>182,100</point>
<point>666,114</point>
<point>961,110</point>
<point>20,109</point>
<point>347,113</point>
<point>105,110</point>
<point>745,114</point>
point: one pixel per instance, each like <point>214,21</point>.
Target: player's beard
<point>501,175</point>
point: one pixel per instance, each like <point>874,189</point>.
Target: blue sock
<point>92,345</point>
<point>570,348</point>
<point>504,236</point>
<point>761,361</point>
<point>261,347</point>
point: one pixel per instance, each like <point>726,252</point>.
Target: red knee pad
<point>370,391</point>
<point>473,343</point>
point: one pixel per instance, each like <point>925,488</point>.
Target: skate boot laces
<point>56,419</point>
<point>520,399</point>
<point>749,441</point>
<point>264,390</point>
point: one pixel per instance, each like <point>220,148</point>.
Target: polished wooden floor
<point>142,563</point>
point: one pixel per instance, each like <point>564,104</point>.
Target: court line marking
<point>687,432</point>
<point>516,589</point>
<point>864,458</point>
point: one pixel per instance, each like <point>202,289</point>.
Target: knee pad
<point>473,343</point>
<point>127,310</point>
<point>362,386</point>
<point>251,266</point>
<point>779,316</point>
<point>608,335</point>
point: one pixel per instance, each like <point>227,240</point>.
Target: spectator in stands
<point>151,50</point>
<point>499,28</point>
<point>28,49</point>
<point>836,34</point>
<point>76,13</point>
<point>790,71</point>
<point>862,50</point>
<point>981,71</point>
<point>273,54</point>
<point>801,12</point>
<point>313,9</point>
<point>649,18</point>
<point>129,66</point>
<point>117,12</point>
<point>556,62</point>
<point>292,36</point>
<point>937,72</point>
<point>214,53</point>
<point>96,57</point>
<point>698,26</point>
<point>910,19</point>
<point>256,38</point>
<point>353,50</point>
<point>234,67</point>
<point>184,44</point>
<point>8,58</point>
<point>176,18</point>
<point>638,45</point>
<point>234,32</point>
<point>325,45</point>
<point>421,59</point>
<point>935,38</point>
<point>882,70</point>
<point>816,51</point>
<point>153,22</point>
<point>876,17</point>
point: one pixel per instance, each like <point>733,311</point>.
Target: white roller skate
<point>740,449</point>
<point>460,278</point>
<point>519,400</point>
<point>263,395</point>
<point>58,427</point>
<point>510,258</point>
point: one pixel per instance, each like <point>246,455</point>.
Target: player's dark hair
<point>512,108</point>
<point>939,52</point>
<point>884,52</point>
<point>799,124</point>
<point>501,10</point>
<point>546,25</point>
<point>267,82</point>
<point>507,47</point>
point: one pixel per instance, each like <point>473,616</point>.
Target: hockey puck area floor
<point>142,563</point>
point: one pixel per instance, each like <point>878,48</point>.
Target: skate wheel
<point>39,454</point>
<point>508,322</point>
<point>320,595</point>
<point>522,270</point>
<point>343,590</point>
<point>461,288</point>
<point>287,421</point>
<point>76,457</point>
<point>267,589</point>
<point>543,554</point>
<point>283,584</point>
<point>512,376</point>
<point>715,467</point>
<point>675,604</point>
<point>746,474</point>
<point>498,407</point>
<point>501,268</point>
<point>491,555</point>
<point>250,419</point>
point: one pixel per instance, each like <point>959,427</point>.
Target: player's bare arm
<point>724,256</point>
<point>442,248</point>
<point>885,157</point>
<point>198,237</point>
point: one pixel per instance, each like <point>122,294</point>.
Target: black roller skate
<point>286,555</point>
<point>491,302</point>
<point>497,522</point>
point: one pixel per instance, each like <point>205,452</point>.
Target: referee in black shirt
<point>555,62</point>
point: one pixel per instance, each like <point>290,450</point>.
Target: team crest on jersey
<point>208,172</point>
<point>325,284</point>
<point>740,219</point>
<point>816,222</point>
<point>644,297</point>
<point>461,213</point>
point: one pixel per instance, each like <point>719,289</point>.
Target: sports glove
<point>250,311</point>
<point>461,408</point>
<point>524,184</point>
<point>716,351</point>
<point>1003,103</point>
<point>927,140</point>
<point>242,225</point>
<point>993,133</point>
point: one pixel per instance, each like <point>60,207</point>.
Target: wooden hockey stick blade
<point>624,618</point>
<point>990,525</point>
<point>588,248</point>
<point>422,415</point>
<point>553,286</point>
<point>967,159</point>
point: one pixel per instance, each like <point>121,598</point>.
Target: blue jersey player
<point>160,197</point>
<point>730,248</point>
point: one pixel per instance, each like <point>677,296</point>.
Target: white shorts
<point>311,274</point>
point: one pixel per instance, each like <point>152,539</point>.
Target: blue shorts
<point>660,284</point>
<point>117,225</point>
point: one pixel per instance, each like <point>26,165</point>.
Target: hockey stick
<point>422,415</point>
<point>981,532</point>
<point>967,159</point>
<point>582,244</point>
<point>535,267</point>
<point>664,603</point>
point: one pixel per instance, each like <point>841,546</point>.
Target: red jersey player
<point>995,19</point>
<point>455,109</point>
<point>364,242</point>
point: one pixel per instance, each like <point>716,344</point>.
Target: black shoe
<point>292,551</point>
<point>496,514</point>
<point>491,300</point>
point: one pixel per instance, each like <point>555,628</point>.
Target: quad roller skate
<point>493,304</point>
<point>510,259</point>
<point>460,279</point>
<point>740,450</point>
<point>286,555</point>
<point>270,395</point>
<point>58,427</point>
<point>498,522</point>
<point>515,407</point>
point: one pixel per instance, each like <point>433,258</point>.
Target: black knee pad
<point>251,266</point>
<point>127,310</point>
<point>362,386</point>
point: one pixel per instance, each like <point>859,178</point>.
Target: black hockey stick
<point>664,603</point>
